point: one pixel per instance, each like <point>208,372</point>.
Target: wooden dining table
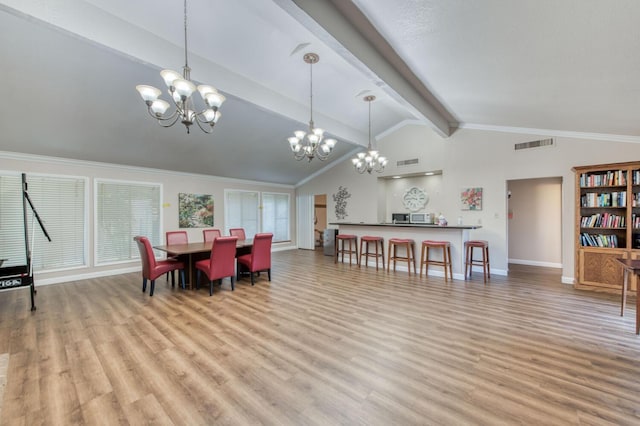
<point>633,266</point>
<point>193,252</point>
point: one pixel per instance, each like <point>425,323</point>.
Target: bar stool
<point>340,240</point>
<point>446,257</point>
<point>409,246</point>
<point>469,261</point>
<point>366,240</point>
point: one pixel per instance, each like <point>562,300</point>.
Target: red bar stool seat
<point>470,261</point>
<point>409,246</point>
<point>341,239</point>
<point>446,257</point>
<point>366,240</point>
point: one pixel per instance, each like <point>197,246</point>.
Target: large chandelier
<point>180,89</point>
<point>313,145</point>
<point>371,160</point>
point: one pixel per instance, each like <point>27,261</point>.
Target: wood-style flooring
<point>321,344</point>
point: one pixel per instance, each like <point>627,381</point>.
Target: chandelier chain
<point>186,61</point>
<point>369,102</point>
<point>311,91</point>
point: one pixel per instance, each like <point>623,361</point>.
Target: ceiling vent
<point>534,144</point>
<point>407,162</point>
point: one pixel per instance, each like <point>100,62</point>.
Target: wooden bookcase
<point>607,223</point>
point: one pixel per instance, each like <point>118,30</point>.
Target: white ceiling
<point>70,68</point>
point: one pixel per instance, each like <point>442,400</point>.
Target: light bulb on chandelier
<point>311,144</point>
<point>371,160</point>
<point>180,89</point>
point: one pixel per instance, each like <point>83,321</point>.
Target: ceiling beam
<point>344,28</point>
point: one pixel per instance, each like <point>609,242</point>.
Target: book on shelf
<point>608,178</point>
<point>598,240</point>
<point>604,199</point>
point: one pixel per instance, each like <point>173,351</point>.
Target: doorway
<point>319,219</point>
<point>534,224</point>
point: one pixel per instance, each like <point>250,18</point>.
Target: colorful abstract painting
<point>195,210</point>
<point>471,199</point>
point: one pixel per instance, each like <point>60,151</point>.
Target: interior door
<point>304,221</point>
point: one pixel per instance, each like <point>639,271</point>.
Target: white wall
<point>535,221</point>
<point>475,158</point>
<point>172,184</point>
<point>395,189</point>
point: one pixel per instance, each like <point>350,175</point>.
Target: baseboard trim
<point>536,263</point>
<point>86,276</point>
<point>110,272</point>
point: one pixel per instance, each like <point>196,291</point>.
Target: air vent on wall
<point>407,162</point>
<point>534,144</point>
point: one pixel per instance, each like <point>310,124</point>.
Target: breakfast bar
<point>455,234</point>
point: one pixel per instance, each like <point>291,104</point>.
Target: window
<point>275,215</point>
<point>243,210</point>
<point>61,204</point>
<point>124,210</point>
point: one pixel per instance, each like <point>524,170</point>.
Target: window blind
<point>275,215</point>
<point>124,210</point>
<point>60,203</point>
<point>241,211</point>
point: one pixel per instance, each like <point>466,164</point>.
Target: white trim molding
<point>552,133</point>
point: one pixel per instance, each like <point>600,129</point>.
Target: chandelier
<point>311,144</point>
<point>371,160</point>
<point>180,89</point>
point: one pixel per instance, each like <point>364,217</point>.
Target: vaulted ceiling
<point>70,68</point>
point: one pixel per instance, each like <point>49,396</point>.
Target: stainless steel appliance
<point>400,217</point>
<point>329,238</point>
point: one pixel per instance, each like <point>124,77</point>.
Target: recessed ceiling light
<point>429,174</point>
<point>397,177</point>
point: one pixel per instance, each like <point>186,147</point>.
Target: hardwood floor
<point>321,344</point>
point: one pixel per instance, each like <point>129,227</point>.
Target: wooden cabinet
<point>607,223</point>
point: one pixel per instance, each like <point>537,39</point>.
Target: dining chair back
<point>238,232</point>
<point>260,257</point>
<point>211,234</point>
<point>152,268</point>
<point>177,237</point>
<point>221,262</point>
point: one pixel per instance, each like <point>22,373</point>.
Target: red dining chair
<point>211,234</point>
<point>152,268</point>
<point>175,237</point>
<point>220,264</point>
<point>260,257</point>
<point>238,232</point>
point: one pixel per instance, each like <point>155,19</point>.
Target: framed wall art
<point>195,210</point>
<point>471,199</point>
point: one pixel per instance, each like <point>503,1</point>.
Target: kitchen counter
<point>407,225</point>
<point>455,234</point>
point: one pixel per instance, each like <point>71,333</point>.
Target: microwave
<point>421,218</point>
<point>400,217</point>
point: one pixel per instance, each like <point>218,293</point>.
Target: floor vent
<point>534,144</point>
<point>407,162</point>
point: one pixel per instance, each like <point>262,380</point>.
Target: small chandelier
<point>371,160</point>
<point>180,89</point>
<point>313,145</point>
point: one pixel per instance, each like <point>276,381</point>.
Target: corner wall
<point>474,158</point>
<point>172,184</point>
